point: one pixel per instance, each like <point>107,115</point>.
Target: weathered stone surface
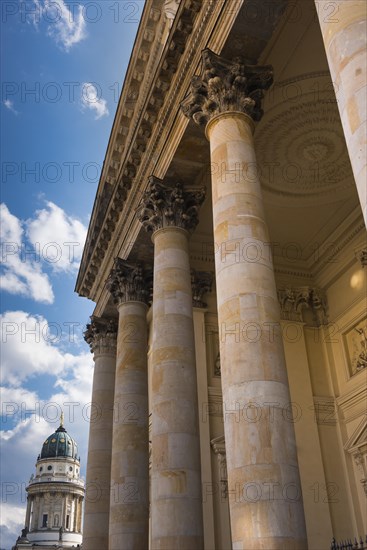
<point>128,282</point>
<point>344,37</point>
<point>166,205</point>
<point>130,286</point>
<point>101,335</point>
<point>226,86</point>
<point>252,364</point>
<point>176,509</point>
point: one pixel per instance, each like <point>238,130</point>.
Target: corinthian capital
<point>226,86</point>
<point>128,282</point>
<point>101,336</point>
<point>166,205</point>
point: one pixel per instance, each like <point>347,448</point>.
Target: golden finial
<point>62,419</point>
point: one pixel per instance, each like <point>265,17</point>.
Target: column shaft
<point>79,523</point>
<point>28,512</point>
<point>176,480</point>
<point>36,513</point>
<point>98,476</point>
<point>129,509</point>
<point>264,487</point>
<point>344,29</point>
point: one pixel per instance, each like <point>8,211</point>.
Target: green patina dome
<point>59,445</point>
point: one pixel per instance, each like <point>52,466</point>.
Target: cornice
<point>120,217</point>
<point>126,109</point>
<point>56,487</point>
<point>337,253</point>
<point>330,257</point>
<point>353,403</point>
<point>132,157</point>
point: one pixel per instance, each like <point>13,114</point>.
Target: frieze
<point>143,128</point>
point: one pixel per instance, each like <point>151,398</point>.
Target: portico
<point>234,161</point>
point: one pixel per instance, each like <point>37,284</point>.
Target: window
<point>49,467</point>
<point>67,521</point>
<point>44,520</point>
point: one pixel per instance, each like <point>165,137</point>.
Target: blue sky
<point>63,65</point>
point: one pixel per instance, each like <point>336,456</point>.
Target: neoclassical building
<point>226,256</point>
<point>55,496</point>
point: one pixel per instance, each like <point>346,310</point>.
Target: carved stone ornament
<point>217,366</point>
<point>166,205</point>
<point>130,282</point>
<point>201,283</point>
<point>218,446</point>
<point>361,256</point>
<point>293,301</point>
<point>101,335</point>
<point>170,8</point>
<point>226,86</point>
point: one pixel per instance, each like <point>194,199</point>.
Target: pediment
<point>358,440</point>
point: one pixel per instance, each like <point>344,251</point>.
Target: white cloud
<point>9,104</point>
<point>27,347</point>
<point>12,522</point>
<point>91,99</point>
<point>28,419</point>
<point>52,239</point>
<point>30,347</point>
<point>59,237</point>
<point>21,271</point>
<point>66,27</point>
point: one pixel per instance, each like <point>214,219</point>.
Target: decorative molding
<point>224,86</point>
<point>170,8</point>
<point>134,124</point>
<point>356,446</point>
<point>299,166</point>
<point>201,283</point>
<point>166,205</point>
<point>353,403</point>
<point>355,343</point>
<point>294,300</point>
<point>101,335</point>
<point>130,282</point>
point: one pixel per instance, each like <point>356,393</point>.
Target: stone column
<point>28,512</point>
<point>75,513</point>
<point>263,479</point>
<point>344,29</point>
<point>101,336</point>
<point>36,513</point>
<point>130,286</point>
<point>169,213</point>
<point>80,507</point>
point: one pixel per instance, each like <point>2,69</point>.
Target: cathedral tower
<point>55,496</point>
